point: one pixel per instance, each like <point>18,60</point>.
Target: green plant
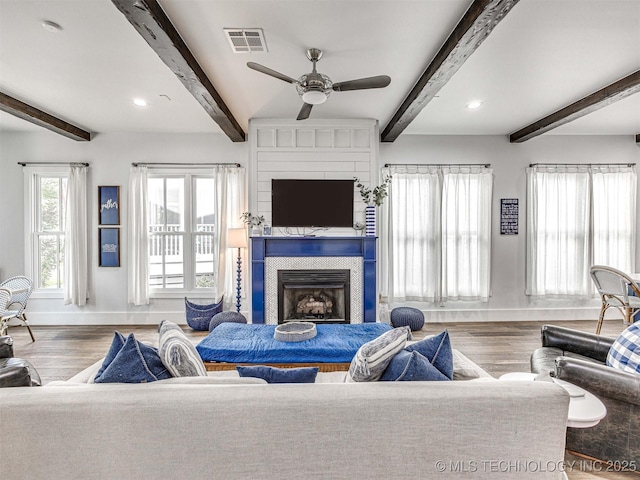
<point>376,195</point>
<point>252,220</point>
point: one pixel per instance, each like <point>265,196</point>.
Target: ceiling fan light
<point>314,97</point>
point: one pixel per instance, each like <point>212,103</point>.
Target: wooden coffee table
<point>322,367</point>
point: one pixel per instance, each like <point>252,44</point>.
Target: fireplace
<point>269,255</point>
<point>321,296</point>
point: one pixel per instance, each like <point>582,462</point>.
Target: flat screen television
<point>312,203</point>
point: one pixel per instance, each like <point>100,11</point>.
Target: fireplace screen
<point>314,295</point>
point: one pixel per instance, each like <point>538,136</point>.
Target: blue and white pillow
<point>624,354</point>
<point>177,353</point>
<point>372,358</point>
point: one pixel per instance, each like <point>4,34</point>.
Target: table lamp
<point>237,238</point>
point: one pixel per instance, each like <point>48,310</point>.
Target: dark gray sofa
<point>579,358</point>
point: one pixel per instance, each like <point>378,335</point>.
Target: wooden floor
<point>60,352</point>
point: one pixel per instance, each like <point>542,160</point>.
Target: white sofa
<point>237,428</point>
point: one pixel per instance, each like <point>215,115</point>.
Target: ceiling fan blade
<point>380,81</point>
<point>305,111</point>
<point>268,71</point>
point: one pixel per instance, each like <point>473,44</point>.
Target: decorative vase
<point>256,231</point>
<point>370,220</point>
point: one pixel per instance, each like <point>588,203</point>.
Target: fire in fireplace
<point>314,296</point>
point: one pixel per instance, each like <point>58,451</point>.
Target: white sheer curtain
<point>558,244</point>
<point>436,234</point>
<point>76,276</point>
<point>411,235</point>
<point>466,233</point>
<point>614,216</point>
<point>578,216</point>
<point>230,203</point>
<point>138,237</point>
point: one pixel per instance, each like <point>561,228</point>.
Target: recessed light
<point>474,104</point>
<point>140,102</point>
<point>50,26</point>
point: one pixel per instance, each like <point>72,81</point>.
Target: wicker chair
<point>617,289</point>
<point>20,288</point>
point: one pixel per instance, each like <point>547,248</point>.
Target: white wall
<point>509,161</point>
<point>314,149</point>
<point>111,155</point>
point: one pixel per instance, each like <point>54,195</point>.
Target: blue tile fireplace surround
<point>359,253</point>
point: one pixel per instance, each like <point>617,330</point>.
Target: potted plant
<point>253,222</point>
<point>372,197</point>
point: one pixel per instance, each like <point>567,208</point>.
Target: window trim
<point>189,234</point>
<point>32,174</point>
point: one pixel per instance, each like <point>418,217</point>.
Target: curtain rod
<point>584,164</point>
<point>77,164</point>
<point>177,164</point>
<point>486,165</point>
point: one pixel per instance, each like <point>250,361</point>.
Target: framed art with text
<point>109,205</point>
<point>508,216</point>
<point>109,247</point>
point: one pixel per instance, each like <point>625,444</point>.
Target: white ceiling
<point>543,56</point>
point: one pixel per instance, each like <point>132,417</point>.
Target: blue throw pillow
<point>625,351</point>
<point>437,350</point>
<point>280,375</point>
<point>411,366</point>
<point>134,363</point>
<point>116,345</point>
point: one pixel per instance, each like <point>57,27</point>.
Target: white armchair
<point>19,288</point>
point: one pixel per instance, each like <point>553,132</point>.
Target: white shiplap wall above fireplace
<point>311,149</point>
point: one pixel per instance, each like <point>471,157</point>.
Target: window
<point>182,243</point>
<point>578,216</point>
<point>438,234</point>
<point>46,190</point>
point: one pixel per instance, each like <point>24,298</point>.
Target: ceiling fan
<point>315,88</point>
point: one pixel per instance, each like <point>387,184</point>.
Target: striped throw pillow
<point>625,351</point>
<point>177,353</point>
<point>372,358</point>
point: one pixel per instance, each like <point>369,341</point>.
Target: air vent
<point>246,40</point>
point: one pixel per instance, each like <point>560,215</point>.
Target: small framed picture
<point>109,205</point>
<point>266,230</point>
<point>109,247</point>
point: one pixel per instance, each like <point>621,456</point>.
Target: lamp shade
<point>236,238</point>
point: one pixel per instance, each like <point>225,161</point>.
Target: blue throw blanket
<point>240,343</point>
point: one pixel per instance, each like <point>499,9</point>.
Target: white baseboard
<point>104,318</point>
<point>432,314</point>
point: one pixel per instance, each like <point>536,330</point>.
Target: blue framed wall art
<point>109,205</point>
<point>109,247</point>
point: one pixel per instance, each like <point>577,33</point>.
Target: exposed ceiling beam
<point>474,27</point>
<point>43,119</point>
<point>152,23</point>
<point>602,98</point>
